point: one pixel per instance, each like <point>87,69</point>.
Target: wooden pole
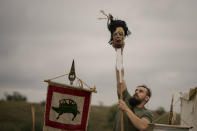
<point>33,117</point>
<point>171,111</point>
<point>121,112</point>
<point>119,78</point>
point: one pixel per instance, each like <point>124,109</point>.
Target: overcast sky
<point>40,38</point>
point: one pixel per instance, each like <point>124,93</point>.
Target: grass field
<point>16,116</point>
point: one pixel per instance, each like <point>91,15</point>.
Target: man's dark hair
<point>149,93</point>
<point>113,24</point>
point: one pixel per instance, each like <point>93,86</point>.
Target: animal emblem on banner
<point>66,106</point>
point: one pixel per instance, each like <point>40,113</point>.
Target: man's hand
<point>139,123</point>
<point>122,105</point>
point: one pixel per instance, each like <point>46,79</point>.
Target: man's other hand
<point>122,105</point>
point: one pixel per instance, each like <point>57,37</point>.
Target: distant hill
<point>16,116</point>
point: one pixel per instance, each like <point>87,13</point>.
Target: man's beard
<point>134,102</point>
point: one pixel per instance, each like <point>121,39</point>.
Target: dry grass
<point>16,116</point>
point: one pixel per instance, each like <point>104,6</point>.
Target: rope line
<point>79,81</point>
<point>57,77</point>
<point>83,82</point>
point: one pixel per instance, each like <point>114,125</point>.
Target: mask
<point>118,38</point>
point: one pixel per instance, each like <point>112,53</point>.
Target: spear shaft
<point>119,78</point>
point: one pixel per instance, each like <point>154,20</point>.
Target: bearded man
<point>136,116</point>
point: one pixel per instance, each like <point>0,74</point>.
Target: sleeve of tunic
<point>148,115</point>
<point>126,96</point>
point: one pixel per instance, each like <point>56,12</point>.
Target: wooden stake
<point>171,111</point>
<point>121,112</point>
<point>119,79</point>
<point>33,117</point>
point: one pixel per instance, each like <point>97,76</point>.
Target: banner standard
<point>67,107</point>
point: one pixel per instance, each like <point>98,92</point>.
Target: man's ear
<point>147,98</point>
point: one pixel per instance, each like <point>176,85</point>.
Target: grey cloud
<point>39,39</point>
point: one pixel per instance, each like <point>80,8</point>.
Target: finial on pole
<point>72,74</point>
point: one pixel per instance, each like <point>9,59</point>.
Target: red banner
<point>67,107</point>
